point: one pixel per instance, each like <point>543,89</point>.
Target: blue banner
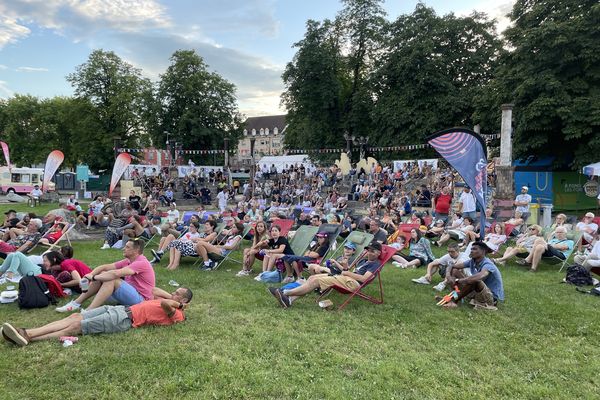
<point>465,152</point>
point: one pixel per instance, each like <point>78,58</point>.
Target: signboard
<point>83,173</point>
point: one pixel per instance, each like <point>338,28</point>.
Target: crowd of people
<point>411,210</point>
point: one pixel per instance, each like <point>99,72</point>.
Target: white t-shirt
<point>172,216</point>
<point>222,198</point>
<point>447,261</point>
<point>523,198</point>
<point>468,202</point>
<point>36,193</point>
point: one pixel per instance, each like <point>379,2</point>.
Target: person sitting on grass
<point>17,263</point>
<point>493,240</point>
<point>441,264</point>
<point>342,263</point>
<point>517,222</point>
<point>260,240</point>
<point>419,254</point>
<point>590,260</point>
<point>459,234</point>
<point>588,228</point>
<point>363,271</point>
<point>68,271</point>
<point>295,263</point>
<point>484,287</point>
<point>231,242</point>
<point>128,282</point>
<point>23,242</point>
<point>524,244</point>
<point>559,246</point>
<point>209,235</point>
<point>107,319</point>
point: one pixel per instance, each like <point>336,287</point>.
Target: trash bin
<point>534,211</point>
<point>546,215</point>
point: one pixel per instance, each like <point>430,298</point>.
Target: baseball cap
<point>589,215</point>
<point>524,187</point>
<point>374,246</point>
<point>350,245</point>
<point>321,234</point>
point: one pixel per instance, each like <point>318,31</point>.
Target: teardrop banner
<point>6,154</point>
<point>121,163</point>
<point>53,161</point>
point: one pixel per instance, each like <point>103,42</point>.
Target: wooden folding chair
<point>386,253</point>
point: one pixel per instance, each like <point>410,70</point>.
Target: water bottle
<point>84,284</point>
<point>328,263</point>
<point>261,253</point>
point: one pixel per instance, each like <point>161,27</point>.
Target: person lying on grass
<point>128,282</point>
<point>484,287</point>
<point>165,310</point>
<point>363,271</point>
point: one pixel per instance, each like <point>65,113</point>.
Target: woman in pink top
<point>67,271</point>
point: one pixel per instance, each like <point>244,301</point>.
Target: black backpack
<point>579,276</point>
<point>34,293</point>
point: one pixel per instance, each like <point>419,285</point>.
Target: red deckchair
<point>386,253</point>
<point>285,225</point>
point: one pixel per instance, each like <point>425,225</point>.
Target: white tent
<point>592,169</point>
<point>283,162</point>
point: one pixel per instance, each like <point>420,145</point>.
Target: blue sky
<point>247,41</point>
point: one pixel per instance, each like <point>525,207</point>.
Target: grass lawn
<point>238,343</point>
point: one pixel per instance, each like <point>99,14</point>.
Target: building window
<point>267,131</point>
<point>151,155</point>
<point>253,132</point>
<point>245,132</point>
<point>275,131</point>
<point>262,132</point>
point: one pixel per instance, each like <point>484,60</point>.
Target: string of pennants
<point>299,151</point>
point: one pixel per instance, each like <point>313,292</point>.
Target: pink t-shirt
<point>71,265</point>
<point>143,280</point>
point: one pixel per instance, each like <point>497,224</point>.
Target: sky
<point>248,42</point>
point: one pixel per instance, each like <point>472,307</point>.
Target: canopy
<point>592,169</point>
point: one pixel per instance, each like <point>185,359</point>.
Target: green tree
<point>315,84</point>
<point>198,108</point>
<point>430,73</point>
<point>551,74</point>
<point>121,97</point>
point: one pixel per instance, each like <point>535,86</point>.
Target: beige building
<point>268,133</point>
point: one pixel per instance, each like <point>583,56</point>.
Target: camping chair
<point>65,235</point>
<point>575,237</point>
<point>219,259</point>
<point>285,225</point>
<point>386,253</point>
<point>360,240</point>
<point>301,240</point>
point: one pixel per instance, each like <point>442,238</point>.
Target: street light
<point>362,141</point>
<point>253,166</point>
<point>349,139</point>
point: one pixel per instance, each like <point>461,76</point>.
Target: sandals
<point>522,262</point>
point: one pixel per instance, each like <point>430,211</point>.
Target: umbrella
<point>592,169</point>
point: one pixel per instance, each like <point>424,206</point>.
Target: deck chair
<point>56,245</point>
<point>332,231</point>
<point>219,259</point>
<point>301,240</point>
<point>386,253</point>
<point>285,225</point>
<point>576,237</point>
<point>360,240</point>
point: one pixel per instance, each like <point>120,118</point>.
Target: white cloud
<point>79,18</point>
<point>5,91</point>
<point>496,9</point>
<point>10,30</point>
<point>31,69</point>
<point>3,67</point>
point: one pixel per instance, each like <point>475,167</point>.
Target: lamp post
<point>253,165</point>
<point>349,139</point>
<point>362,141</point>
<point>116,143</point>
<point>226,167</point>
<point>168,147</point>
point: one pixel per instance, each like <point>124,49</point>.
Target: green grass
<point>238,343</point>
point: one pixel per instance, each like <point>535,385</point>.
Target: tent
<point>283,162</point>
<point>592,169</point>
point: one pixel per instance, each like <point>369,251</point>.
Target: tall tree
<point>552,75</point>
<point>198,108</point>
<point>315,84</point>
<point>430,73</point>
<point>121,97</point>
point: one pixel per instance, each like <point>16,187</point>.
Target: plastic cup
<point>84,284</point>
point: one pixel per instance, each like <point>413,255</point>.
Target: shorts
<point>552,252</point>
<point>412,258</point>
<point>105,319</point>
<point>126,295</point>
<point>485,296</point>
<point>146,235</point>
<point>326,281</point>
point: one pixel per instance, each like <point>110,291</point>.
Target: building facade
<point>268,133</point>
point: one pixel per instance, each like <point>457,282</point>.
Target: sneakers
<point>288,279</point>
<point>70,306</point>
<point>440,286</point>
<point>157,256</point>
<point>208,266</point>
<point>284,301</point>
<point>105,246</point>
<point>17,336</point>
<point>243,273</point>
<point>422,281</point>
<point>396,264</point>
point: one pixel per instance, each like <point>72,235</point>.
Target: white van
<point>22,180</point>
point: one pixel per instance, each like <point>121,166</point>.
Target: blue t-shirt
<point>365,265</point>
<point>568,242</point>
<point>494,279</point>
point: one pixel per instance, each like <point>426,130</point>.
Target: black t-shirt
<point>321,250</point>
<point>287,250</point>
<point>135,202</point>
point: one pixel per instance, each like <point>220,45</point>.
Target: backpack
<point>33,293</point>
<point>54,286</point>
<point>579,276</point>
